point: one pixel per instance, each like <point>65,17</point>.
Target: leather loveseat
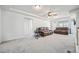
<point>61,30</point>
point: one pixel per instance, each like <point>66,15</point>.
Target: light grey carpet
<point>50,44</point>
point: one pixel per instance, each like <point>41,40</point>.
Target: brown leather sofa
<point>61,30</point>
<point>43,31</point>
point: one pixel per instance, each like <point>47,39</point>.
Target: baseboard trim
<point>17,38</point>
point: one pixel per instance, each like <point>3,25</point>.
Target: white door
<point>0,26</point>
<point>28,27</point>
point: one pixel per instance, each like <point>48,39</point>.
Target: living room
<point>20,22</point>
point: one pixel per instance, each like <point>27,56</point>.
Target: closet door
<point>0,26</point>
<point>28,27</point>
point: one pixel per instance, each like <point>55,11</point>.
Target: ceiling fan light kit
<point>50,13</point>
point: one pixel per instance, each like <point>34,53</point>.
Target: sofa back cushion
<point>62,28</point>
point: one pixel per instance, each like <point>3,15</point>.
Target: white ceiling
<point>61,10</point>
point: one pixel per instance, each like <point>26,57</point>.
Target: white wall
<point>40,23</point>
<point>14,25</point>
<point>0,26</point>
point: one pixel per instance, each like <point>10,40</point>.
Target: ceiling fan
<point>51,13</point>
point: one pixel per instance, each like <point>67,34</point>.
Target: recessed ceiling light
<point>37,7</point>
